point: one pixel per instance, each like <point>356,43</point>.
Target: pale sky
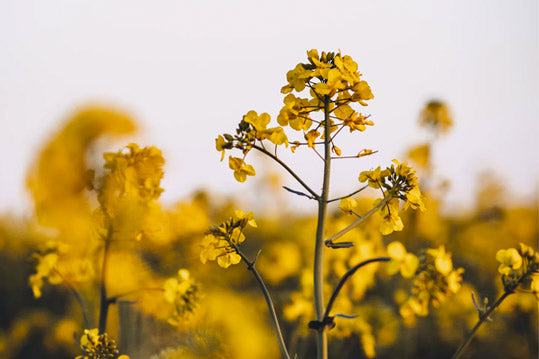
<point>189,70</point>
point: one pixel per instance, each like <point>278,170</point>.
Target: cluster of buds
<point>98,346</point>
<point>221,243</point>
<point>182,293</point>
<point>435,279</point>
<point>519,269</point>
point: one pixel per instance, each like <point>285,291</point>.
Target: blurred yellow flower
<point>436,115</point>
<point>442,260</point>
<point>348,205</point>
<point>402,261</point>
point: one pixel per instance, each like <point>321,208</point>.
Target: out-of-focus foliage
<point>59,248</point>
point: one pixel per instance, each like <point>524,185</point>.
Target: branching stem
<point>288,169</point>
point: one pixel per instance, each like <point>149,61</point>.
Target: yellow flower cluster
<point>435,279</point>
<point>183,294</point>
<point>135,174</point>
<point>332,79</point>
<point>437,116</point>
<point>46,262</point>
<point>128,194</point>
<point>334,84</point>
<point>52,264</point>
<point>396,182</point>
<point>222,241</point>
<point>98,346</point>
<point>519,269</point>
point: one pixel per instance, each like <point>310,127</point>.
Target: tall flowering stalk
<point>334,88</point>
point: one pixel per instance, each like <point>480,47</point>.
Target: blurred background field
<point>231,319</point>
<point>82,79</point>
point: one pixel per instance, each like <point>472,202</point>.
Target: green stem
<point>104,301</point>
<point>269,302</point>
<point>482,319</point>
<point>321,340</point>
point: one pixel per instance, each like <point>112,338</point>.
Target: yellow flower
<point>414,200</point>
<point>219,143</point>
<point>402,261</point>
<point>390,215</point>
<point>98,346</point>
<point>276,135</point>
<point>348,204</point>
<point>259,122</point>
<point>362,92</point>
<point>442,260</point>
<point>249,217</point>
<point>226,260</point>
<point>375,178</point>
<point>296,79</point>
<point>510,260</point>
<point>311,137</point>
<point>136,174</point>
<point>294,114</point>
<point>437,116</point>
<point>210,249</point>
<point>223,241</point>
<point>420,154</point>
<point>357,121</point>
<point>240,168</point>
<point>182,293</point>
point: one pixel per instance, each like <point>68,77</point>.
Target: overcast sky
<point>189,70</point>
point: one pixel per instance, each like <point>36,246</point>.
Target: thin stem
<point>319,155</point>
<point>269,302</point>
<point>104,302</point>
<point>321,340</point>
<point>358,221</point>
<point>78,297</point>
<point>345,277</point>
<point>298,193</point>
<point>348,195</point>
<point>288,169</point>
<point>484,316</point>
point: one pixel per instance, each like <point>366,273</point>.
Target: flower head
<point>222,242</point>
<point>519,268</point>
<point>98,346</point>
<point>183,294</point>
